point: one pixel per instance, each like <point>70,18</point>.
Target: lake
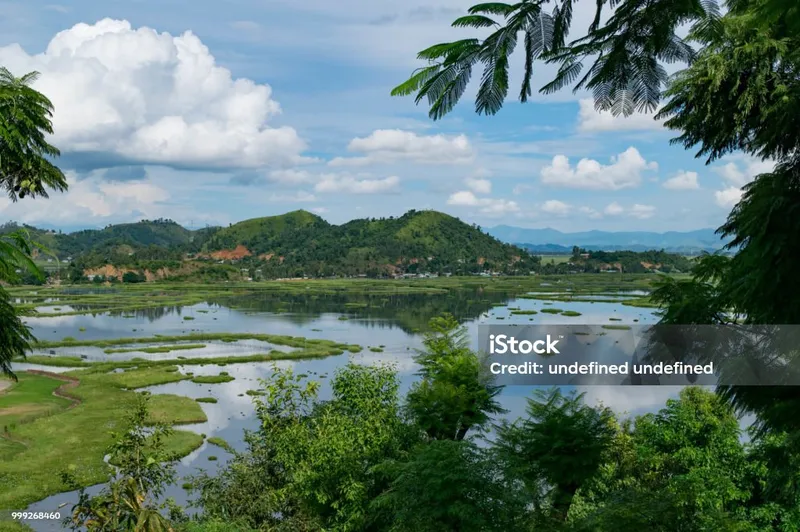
<point>391,322</point>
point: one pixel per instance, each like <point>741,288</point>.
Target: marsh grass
<point>219,442</point>
<point>212,379</point>
<point>76,439</point>
<point>153,350</point>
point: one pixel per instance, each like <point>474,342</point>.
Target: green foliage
<point>455,392</point>
<point>299,243</point>
<point>626,74</point>
<point>560,445</point>
<point>25,122</point>
<point>311,462</point>
<point>144,469</point>
<point>449,485</point>
<point>631,261</point>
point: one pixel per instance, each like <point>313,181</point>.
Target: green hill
<point>420,241</point>
<point>154,238</point>
<point>297,243</point>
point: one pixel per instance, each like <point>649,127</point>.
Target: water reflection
<point>390,320</point>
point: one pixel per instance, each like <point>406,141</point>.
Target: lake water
<point>388,321</point>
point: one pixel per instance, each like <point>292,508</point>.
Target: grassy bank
<point>74,437</point>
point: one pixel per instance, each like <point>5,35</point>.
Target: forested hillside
<point>294,244</point>
<point>300,242</point>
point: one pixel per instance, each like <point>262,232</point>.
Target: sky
<point>213,112</point>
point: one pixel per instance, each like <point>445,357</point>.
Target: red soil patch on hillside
<point>238,253</point>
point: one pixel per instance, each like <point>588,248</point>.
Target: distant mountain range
<point>552,241</point>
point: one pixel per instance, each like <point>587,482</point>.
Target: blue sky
<point>223,111</point>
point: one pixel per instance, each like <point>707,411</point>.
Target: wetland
<point>105,345</point>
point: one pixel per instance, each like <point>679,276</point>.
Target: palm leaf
<point>473,21</point>
<point>416,80</point>
<point>492,8</point>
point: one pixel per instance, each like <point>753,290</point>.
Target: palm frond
<point>492,8</point>
<point>473,21</point>
<point>417,79</point>
<point>562,19</point>
<point>568,72</point>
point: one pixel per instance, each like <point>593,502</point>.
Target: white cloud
<point>728,197</point>
<point>144,96</point>
<point>638,210</point>
<point>591,120</point>
<point>93,200</point>
<point>592,213</point>
<point>625,171</point>
<point>613,209</point>
<point>558,208</point>
<point>487,206</point>
<point>481,186</point>
<point>682,181</point>
<point>391,145</point>
<point>319,210</point>
<point>352,185</point>
<point>301,196</point>
<point>736,174</point>
<point>642,211</point>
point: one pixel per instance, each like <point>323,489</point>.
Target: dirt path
<point>4,384</point>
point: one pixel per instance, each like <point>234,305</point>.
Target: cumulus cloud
<point>93,200</point>
<point>481,186</point>
<point>353,185</point>
<point>736,174</point>
<point>486,206</point>
<point>139,95</point>
<point>591,120</point>
<point>642,211</point>
<point>625,171</point>
<point>591,213</point>
<point>392,145</point>
<point>637,210</point>
<point>555,207</point>
<point>728,197</point>
<point>613,209</point>
<point>682,181</point>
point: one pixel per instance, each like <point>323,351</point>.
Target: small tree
<point>559,447</point>
<point>455,392</point>
<point>143,470</point>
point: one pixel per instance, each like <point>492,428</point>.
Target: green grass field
<point>53,436</point>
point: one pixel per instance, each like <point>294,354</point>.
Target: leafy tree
<point>15,335</point>
<point>25,120</point>
<point>24,170</point>
<point>448,485</point>
<point>558,448</point>
<point>455,392</point>
<point>313,461</point>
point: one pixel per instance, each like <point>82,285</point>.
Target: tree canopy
<point>25,170</point>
